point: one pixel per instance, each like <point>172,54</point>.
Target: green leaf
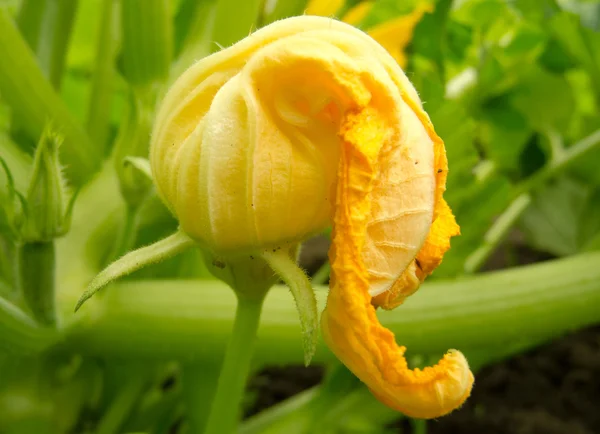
<point>581,43</point>
<point>475,211</point>
<point>504,132</point>
<point>562,217</point>
<point>429,39</point>
<point>457,129</point>
<point>544,109</point>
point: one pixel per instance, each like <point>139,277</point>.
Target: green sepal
<point>45,211</point>
<point>15,205</point>
<point>131,145</point>
<point>304,296</point>
<point>248,275</point>
<point>133,261</point>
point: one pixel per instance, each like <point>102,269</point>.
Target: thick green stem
<point>506,308</point>
<point>36,270</point>
<point>225,409</point>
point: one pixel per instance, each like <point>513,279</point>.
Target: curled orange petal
<point>437,242</point>
<point>388,183</point>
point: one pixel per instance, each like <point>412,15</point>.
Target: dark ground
<point>554,389</point>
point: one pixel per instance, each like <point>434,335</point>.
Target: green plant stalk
<point>20,334</point>
<point>570,156</point>
<point>121,407</point>
<point>199,384</point>
<point>419,426</point>
<point>29,20</point>
<point>126,236</point>
<point>259,423</point>
<point>46,26</point>
<point>506,308</point>
<point>231,27</point>
<point>322,275</point>
<point>36,271</point>
<point>502,226</point>
<point>98,116</point>
<point>497,232</point>
<point>35,103</point>
<point>147,41</point>
<point>225,408</point>
<point>52,50</point>
<point>197,43</point>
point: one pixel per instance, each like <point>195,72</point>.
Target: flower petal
<point>349,323</point>
<point>438,240</point>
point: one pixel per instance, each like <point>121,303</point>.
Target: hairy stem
<point>225,409</point>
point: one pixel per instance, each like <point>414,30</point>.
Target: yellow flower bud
<point>306,123</point>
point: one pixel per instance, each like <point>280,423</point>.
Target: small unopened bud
<point>46,216</point>
<point>132,144</point>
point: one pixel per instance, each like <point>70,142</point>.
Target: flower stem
<point>225,410</point>
<point>36,265</point>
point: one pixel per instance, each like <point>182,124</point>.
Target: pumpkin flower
<point>305,124</point>
<point>394,35</point>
